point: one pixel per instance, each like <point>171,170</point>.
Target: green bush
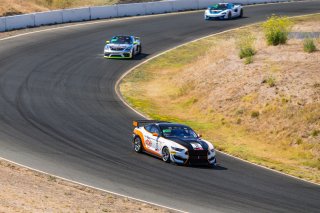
<point>271,81</point>
<point>245,44</point>
<point>308,45</point>
<point>276,30</point>
<point>255,114</point>
<point>248,60</point>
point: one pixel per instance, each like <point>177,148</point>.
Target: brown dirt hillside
<point>267,112</point>
<point>23,190</point>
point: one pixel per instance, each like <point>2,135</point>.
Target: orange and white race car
<point>172,142</point>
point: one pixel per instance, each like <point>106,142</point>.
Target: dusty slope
<point>23,190</point>
<point>233,105</point>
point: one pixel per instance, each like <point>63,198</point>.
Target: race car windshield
<point>178,131</point>
<point>219,7</point>
<point>121,40</point>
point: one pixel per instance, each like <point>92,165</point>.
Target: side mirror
<point>107,42</point>
<point>199,135</point>
<point>135,42</point>
<point>155,134</point>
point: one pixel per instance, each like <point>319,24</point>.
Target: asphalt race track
<point>59,113</point>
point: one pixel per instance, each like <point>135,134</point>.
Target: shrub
<point>315,133</point>
<point>245,43</point>
<point>248,60</point>
<point>255,114</point>
<point>271,81</point>
<point>308,45</point>
<point>276,30</point>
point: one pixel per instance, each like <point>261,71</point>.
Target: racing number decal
<point>196,146</point>
<point>148,142</point>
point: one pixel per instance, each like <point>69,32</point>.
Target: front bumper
<point>194,158</point>
<point>117,54</point>
<point>215,15</point>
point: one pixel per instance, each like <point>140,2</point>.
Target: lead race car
<point>122,47</point>
<point>223,11</point>
<point>172,142</point>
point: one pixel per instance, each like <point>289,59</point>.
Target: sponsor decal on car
<point>196,146</point>
<point>148,143</point>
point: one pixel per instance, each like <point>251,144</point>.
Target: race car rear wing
<point>139,123</point>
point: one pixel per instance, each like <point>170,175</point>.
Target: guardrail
<point>8,23</point>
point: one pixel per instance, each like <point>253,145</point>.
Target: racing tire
<point>229,16</point>
<point>166,155</point>
<point>137,144</point>
<point>132,54</point>
<point>241,13</point>
<point>139,49</point>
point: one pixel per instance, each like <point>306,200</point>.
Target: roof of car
<point>171,124</point>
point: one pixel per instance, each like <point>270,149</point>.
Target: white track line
<point>92,187</point>
<point>162,53</point>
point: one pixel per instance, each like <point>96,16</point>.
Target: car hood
<point>191,144</point>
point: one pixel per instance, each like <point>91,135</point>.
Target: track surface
<point>59,113</point>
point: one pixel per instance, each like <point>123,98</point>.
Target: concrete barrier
<point>181,5</point>
<point>241,1</point>
<point>50,17</point>
<point>19,21</point>
<point>131,9</point>
<point>203,4</point>
<point>73,15</point>
<point>159,7</point>
<point>104,12</point>
<point>2,24</point>
<point>121,10</point>
<point>258,1</point>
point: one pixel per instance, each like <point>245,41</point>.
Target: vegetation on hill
<point>266,111</point>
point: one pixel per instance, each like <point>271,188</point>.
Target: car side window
<point>154,129</point>
<point>148,127</point>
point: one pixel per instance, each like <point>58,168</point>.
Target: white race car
<point>223,11</point>
<point>122,47</point>
<point>172,142</point>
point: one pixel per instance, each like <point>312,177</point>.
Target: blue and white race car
<point>223,11</point>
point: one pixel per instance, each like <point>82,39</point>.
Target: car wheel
<point>229,15</point>
<point>139,49</point>
<point>132,53</point>
<point>137,144</point>
<point>241,13</point>
<point>166,155</point>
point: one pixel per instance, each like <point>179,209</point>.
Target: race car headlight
<point>177,149</point>
<point>211,151</point>
<point>107,48</point>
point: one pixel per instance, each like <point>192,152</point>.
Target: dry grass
<point>23,190</point>
<point>15,7</point>
<point>267,112</point>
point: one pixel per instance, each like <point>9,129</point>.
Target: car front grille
<point>117,48</point>
<point>198,153</point>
